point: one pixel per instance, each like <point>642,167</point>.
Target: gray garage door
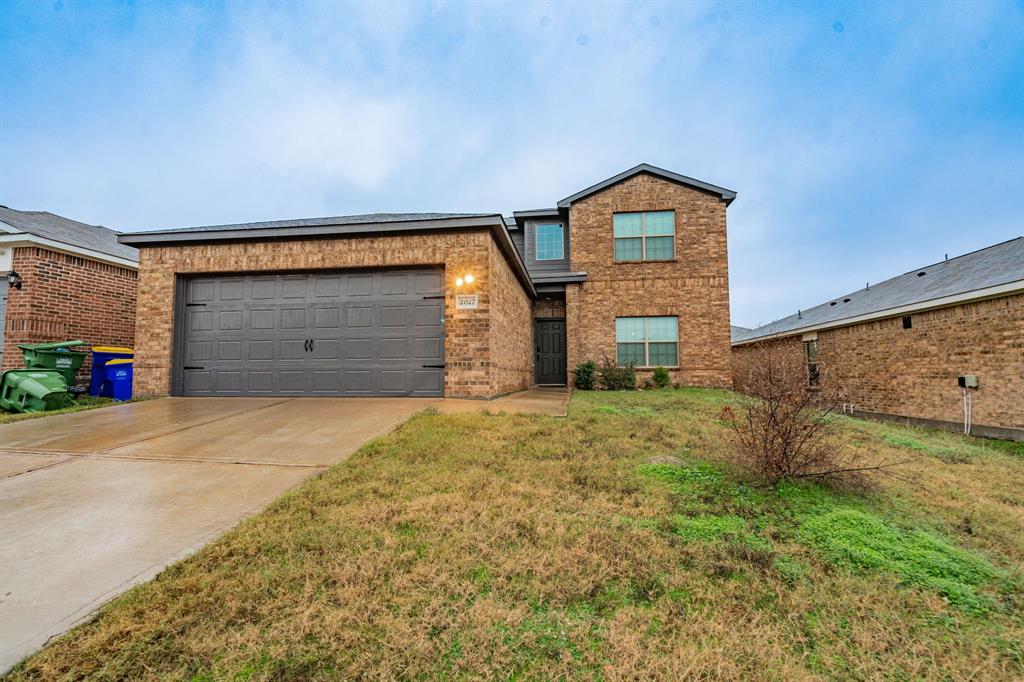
<point>352,333</point>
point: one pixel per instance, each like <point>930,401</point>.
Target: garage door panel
<point>261,319</point>
<point>263,288</point>
<point>261,381</point>
<point>327,349</point>
<point>261,350</point>
<point>293,381</point>
<point>428,381</point>
<point>232,289</point>
<point>358,381</point>
<point>293,318</point>
<point>327,318</point>
<point>338,333</point>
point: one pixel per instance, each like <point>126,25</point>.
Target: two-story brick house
<point>633,268</point>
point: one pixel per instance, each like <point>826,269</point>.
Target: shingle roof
<point>989,267</point>
<point>362,219</point>
<point>67,231</point>
<point>738,331</point>
<point>727,195</point>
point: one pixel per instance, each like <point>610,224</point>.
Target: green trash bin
<point>54,356</point>
<point>33,390</point>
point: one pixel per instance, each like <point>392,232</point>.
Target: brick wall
<point>881,367</point>
<point>511,328</point>
<point>548,308</point>
<point>694,286</point>
<point>66,297</point>
<point>470,335</point>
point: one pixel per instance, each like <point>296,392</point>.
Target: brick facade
<point>881,367</point>
<point>547,308</point>
<point>65,297</point>
<point>487,350</point>
<point>693,286</point>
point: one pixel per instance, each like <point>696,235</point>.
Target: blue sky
<point>864,139</point>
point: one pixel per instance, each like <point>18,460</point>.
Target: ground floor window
<point>813,369</point>
<point>647,341</point>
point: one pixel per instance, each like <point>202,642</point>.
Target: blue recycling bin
<point>117,379</point>
<point>101,355</point>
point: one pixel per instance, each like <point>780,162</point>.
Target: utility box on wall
<point>967,381</point>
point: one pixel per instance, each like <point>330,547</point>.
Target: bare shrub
<point>786,429</point>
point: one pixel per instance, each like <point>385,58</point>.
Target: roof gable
<point>727,195</point>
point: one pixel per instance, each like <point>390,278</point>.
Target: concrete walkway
<point>552,402</point>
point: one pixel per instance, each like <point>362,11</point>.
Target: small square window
<point>549,242</point>
<point>908,322</point>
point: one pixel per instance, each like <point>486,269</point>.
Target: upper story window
<point>650,235</point>
<point>647,341</point>
<point>550,241</point>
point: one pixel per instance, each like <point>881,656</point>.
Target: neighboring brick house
<point>897,349</point>
<point>76,282</point>
<point>470,305</point>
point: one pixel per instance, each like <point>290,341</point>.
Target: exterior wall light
<point>458,281</point>
<point>13,280</point>
<point>465,279</point>
<point>469,279</point>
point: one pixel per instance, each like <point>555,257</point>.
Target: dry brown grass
<point>475,546</point>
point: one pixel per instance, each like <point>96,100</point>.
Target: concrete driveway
<point>94,502</point>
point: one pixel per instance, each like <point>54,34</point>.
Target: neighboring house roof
<point>63,234</point>
<point>739,332</point>
<point>727,195</point>
<point>993,271</point>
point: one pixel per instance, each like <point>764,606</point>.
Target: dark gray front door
<point>351,333</point>
<point>549,341</point>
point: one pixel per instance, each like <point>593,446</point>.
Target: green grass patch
<point>862,542</point>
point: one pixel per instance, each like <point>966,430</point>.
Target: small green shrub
<point>661,377</point>
<point>584,375</point>
<point>614,378</point>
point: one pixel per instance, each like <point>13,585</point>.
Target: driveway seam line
<point>186,428</point>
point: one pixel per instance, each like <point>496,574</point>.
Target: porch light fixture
<point>465,279</point>
<point>13,280</point>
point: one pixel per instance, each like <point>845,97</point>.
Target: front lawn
<point>615,543</point>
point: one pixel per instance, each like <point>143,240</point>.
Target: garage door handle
<point>192,305</point>
<point>441,366</point>
<point>192,367</point>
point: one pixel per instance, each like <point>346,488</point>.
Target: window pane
<point>662,354</point>
<point>659,248</point>
<point>662,328</point>
<point>629,329</point>
<point>812,350</point>
<point>549,242</point>
<point>628,224</point>
<point>660,222</point>
<point>628,249</point>
<point>630,353</point>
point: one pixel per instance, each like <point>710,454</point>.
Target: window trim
<point>536,252</point>
<point>647,341</point>
<point>643,237</point>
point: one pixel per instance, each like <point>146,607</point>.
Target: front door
<point>549,342</point>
